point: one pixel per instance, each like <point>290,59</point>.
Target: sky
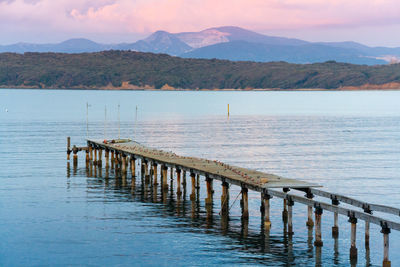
<point>371,22</point>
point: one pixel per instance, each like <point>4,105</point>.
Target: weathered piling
<point>290,204</point>
<point>68,147</point>
<point>245,203</point>
<point>193,180</point>
<point>266,205</point>
<point>107,158</point>
<point>353,247</point>
<point>310,222</point>
<point>385,231</point>
<point>318,235</point>
<point>75,151</point>
<point>155,168</point>
<point>178,183</point>
<point>99,162</point>
<point>164,177</point>
<point>225,198</point>
<point>209,198</point>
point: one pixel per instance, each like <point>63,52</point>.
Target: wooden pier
<point>121,154</point>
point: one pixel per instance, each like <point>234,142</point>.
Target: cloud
<point>144,16</point>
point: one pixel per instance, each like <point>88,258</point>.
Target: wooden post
<point>209,198</point>
<point>165,179</point>
<point>123,167</point>
<point>245,201</point>
<point>112,159</point>
<point>90,153</point>
<point>146,168</point>
<point>225,198</point>
<point>285,211</point>
<point>87,156</point>
<point>267,220</point>
<point>353,248</point>
<point>68,147</point>
<point>99,163</point>
<point>155,167</point>
<point>133,167</point>
<point>178,183</point>
<point>318,236</point>
<point>366,234</point>
<point>95,156</point>
<point>107,158</point>
<point>310,222</point>
<point>75,151</point>
<point>386,231</point>
<point>198,181</point>
<point>335,228</point>
<point>193,194</point>
<point>290,203</point>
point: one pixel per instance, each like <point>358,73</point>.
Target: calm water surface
<point>50,214</point>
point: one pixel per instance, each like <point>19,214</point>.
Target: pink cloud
<point>144,16</point>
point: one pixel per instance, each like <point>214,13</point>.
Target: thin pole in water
<point>228,110</point>
<point>119,124</point>
<point>105,121</point>
<point>87,120</point>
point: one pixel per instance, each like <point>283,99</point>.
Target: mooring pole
<point>165,179</point>
<point>133,167</point>
<point>99,163</point>
<point>285,211</point>
<point>335,228</point>
<point>107,158</point>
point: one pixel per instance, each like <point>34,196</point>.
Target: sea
<point>52,214</point>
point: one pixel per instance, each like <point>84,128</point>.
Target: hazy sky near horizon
<point>372,22</point>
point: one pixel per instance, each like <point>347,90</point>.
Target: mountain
<point>308,53</point>
<point>78,45</point>
<point>231,43</point>
<point>228,34</point>
<point>159,42</point>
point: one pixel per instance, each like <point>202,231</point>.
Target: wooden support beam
<point>123,167</point>
<point>178,183</point>
<point>133,167</point>
<point>267,220</point>
<point>290,203</point>
<point>87,157</point>
<point>75,151</point>
<point>68,147</point>
<point>165,179</point>
<point>310,222</point>
<point>225,198</point>
<point>107,158</point>
<point>112,159</point>
<point>353,247</point>
<point>99,162</point>
<point>318,235</point>
<point>209,198</point>
<point>386,231</point>
<point>146,168</point>
<point>90,153</point>
<point>245,203</point>
<point>95,156</point>
<point>366,234</point>
<point>193,194</point>
<point>155,168</point>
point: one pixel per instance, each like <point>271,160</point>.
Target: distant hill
<point>135,70</point>
<point>231,43</point>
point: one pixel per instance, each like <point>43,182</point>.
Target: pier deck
<point>253,179</point>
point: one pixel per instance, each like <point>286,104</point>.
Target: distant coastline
<point>126,70</point>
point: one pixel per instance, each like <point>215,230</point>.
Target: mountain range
<point>230,43</point>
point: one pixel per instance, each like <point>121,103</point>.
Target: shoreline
<point>208,90</point>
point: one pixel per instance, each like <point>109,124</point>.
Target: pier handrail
<point>367,207</point>
<point>333,208</point>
